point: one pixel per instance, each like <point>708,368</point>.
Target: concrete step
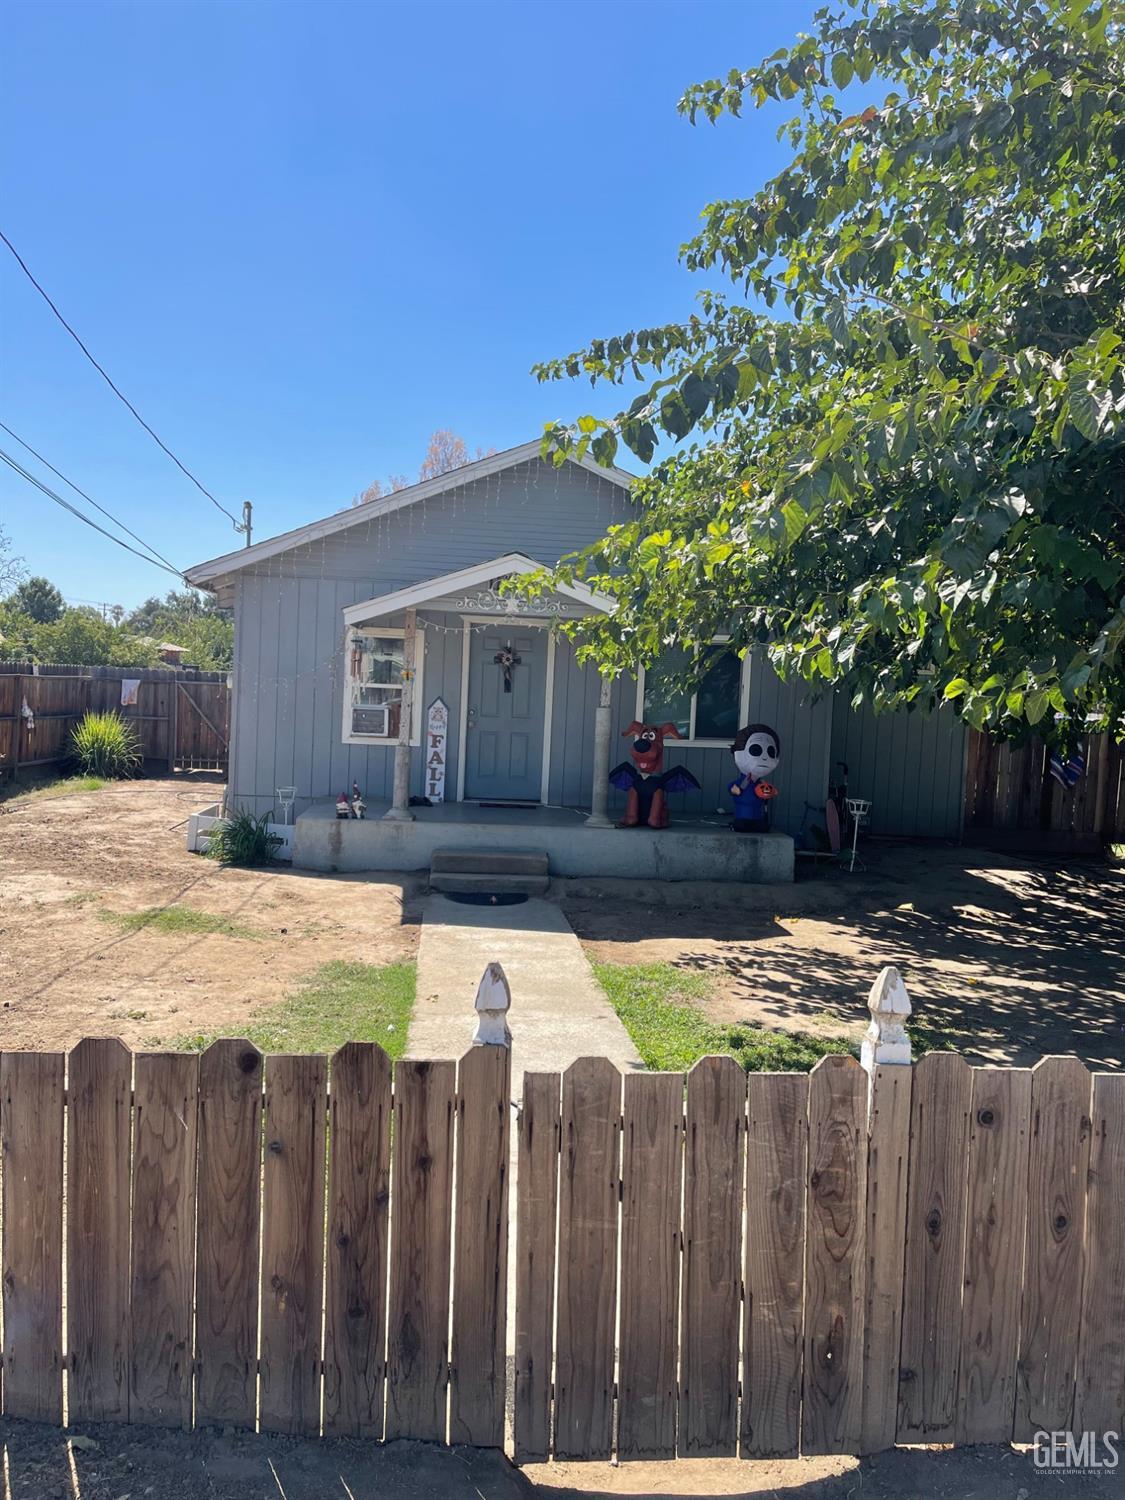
<point>489,861</point>
<point>484,883</point>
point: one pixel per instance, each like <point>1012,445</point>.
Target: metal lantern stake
<point>859,808</point>
<point>286,795</point>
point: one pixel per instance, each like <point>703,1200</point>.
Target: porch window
<point>374,660</point>
<point>708,716</point>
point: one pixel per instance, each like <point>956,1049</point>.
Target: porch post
<point>599,801</point>
<point>399,810</point>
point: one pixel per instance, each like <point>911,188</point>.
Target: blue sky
<point>301,237</point>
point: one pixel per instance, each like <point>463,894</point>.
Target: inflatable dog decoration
<point>643,779</point>
<point>756,750</point>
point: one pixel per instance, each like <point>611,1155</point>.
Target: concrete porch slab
<point>689,849</point>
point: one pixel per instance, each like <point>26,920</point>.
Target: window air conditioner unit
<point>373,721</point>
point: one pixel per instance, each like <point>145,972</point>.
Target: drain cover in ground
<point>482,898</point>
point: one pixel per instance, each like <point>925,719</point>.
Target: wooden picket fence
<point>704,1265</point>
<point>767,1266</point>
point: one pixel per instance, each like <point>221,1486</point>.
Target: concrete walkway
<point>558,1012</point>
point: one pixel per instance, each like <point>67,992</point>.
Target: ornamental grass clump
<point>243,840</point>
<point>106,745</point>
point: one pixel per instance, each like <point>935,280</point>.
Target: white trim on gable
<point>232,562</point>
<point>467,578</point>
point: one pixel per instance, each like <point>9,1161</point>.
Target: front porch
<point>691,848</point>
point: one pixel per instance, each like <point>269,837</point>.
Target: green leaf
<point>956,689</point>
<point>836,321</point>
<point>604,448</point>
<point>675,416</point>
<point>1035,705</point>
<point>842,70</point>
<point>796,519</point>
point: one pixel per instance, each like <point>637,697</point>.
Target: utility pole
<point>247,514</point>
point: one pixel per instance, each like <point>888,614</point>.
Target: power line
<point>66,505</point>
<point>120,396</point>
<point>60,475</point>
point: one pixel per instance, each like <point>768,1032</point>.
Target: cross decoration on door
<point>506,659</point>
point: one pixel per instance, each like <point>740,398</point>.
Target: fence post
<point>494,1000</point>
<point>886,1057</point>
<point>173,722</point>
<point>17,727</point>
<point>480,1250</point>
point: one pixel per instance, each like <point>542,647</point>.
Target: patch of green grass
<point>655,1004</point>
<point>341,1002</point>
<point>16,792</point>
<point>177,919</point>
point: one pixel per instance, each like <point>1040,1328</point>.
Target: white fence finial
<point>494,998</point>
<point>887,1040</point>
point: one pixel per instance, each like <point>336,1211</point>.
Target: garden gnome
<point>342,808</point>
<point>645,783</point>
<point>359,806</point>
<point>756,750</point>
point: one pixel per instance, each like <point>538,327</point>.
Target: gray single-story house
<point>394,609</point>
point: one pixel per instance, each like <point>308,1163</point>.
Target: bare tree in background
<point>12,569</point>
<point>380,487</point>
<point>446,451</point>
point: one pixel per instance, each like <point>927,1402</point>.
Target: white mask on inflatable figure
<point>756,751</point>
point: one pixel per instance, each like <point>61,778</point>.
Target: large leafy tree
<point>907,473</point>
<point>186,617</point>
<point>39,599</point>
<point>177,608</point>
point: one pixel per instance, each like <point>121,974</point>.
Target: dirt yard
<point>71,866</point>
<point>1005,958</point>
<point>115,1463</point>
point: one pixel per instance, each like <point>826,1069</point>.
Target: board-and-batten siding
<point>288,682</point>
<point>803,727</point>
<point>289,675</point>
<point>910,766</point>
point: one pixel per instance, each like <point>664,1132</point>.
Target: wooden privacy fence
<point>1009,790</point>
<point>704,1265</point>
<point>181,719</point>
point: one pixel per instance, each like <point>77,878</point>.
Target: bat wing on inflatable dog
<point>679,779</point>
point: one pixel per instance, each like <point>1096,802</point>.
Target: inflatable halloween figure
<point>756,751</point>
<point>644,780</point>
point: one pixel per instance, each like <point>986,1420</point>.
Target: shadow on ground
<point>111,1463</point>
<point>1006,958</point>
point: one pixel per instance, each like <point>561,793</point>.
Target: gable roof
<point>203,574</point>
<point>467,578</point>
